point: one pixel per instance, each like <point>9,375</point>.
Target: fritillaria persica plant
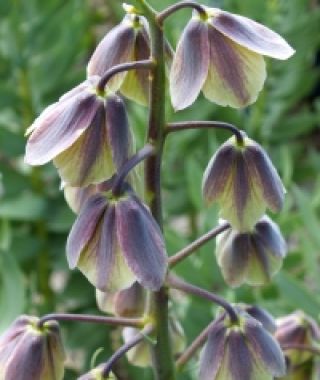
<point>116,240</point>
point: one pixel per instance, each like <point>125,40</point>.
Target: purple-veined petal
<point>89,159</point>
<point>251,35</point>
<point>115,48</point>
<point>141,243</point>
<point>190,65</point>
<point>213,353</point>
<point>118,131</point>
<point>102,261</point>
<point>84,228</point>
<point>60,127</point>
<point>236,75</point>
<point>137,82</point>
<point>76,197</point>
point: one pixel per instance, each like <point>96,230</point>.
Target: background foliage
<point>44,47</point>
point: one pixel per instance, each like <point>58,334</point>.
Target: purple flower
<point>86,136</point>
<point>222,55</point>
<point>116,242</point>
<point>31,352</point>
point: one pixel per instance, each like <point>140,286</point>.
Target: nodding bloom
<point>300,329</point>
<point>127,303</point>
<point>251,257</point>
<point>126,42</point>
<point>243,180</point>
<point>240,351</point>
<point>85,135</point>
<point>115,242</point>
<point>31,352</point>
<point>221,54</point>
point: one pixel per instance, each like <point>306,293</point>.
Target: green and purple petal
<point>190,65</point>
<point>250,34</point>
<point>236,75</point>
<point>141,242</point>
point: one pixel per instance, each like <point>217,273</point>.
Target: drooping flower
<point>251,257</point>
<point>298,329</point>
<point>31,352</point>
<point>222,54</point>
<point>240,351</point>
<point>86,136</point>
<point>116,242</point>
<point>126,42</point>
<point>243,180</point>
<point>127,303</point>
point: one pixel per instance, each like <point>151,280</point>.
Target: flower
<point>126,42</point>
<point>297,329</point>
<point>240,351</point>
<point>244,181</point>
<point>116,242</point>
<point>127,303</point>
<point>86,136</point>
<point>31,352</point>
<point>251,257</point>
<point>222,54</point>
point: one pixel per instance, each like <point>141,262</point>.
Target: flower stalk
<point>182,5</point>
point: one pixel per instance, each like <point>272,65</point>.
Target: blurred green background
<point>44,48</point>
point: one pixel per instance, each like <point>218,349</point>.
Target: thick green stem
<point>163,362</point>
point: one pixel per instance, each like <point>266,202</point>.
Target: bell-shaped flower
<point>126,42</point>
<point>31,352</point>
<point>86,136</point>
<point>140,355</point>
<point>240,351</point>
<point>243,180</point>
<point>127,303</point>
<point>251,257</point>
<point>116,242</point>
<point>222,54</point>
<point>298,329</point>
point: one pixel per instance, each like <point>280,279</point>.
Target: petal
<point>84,228</point>
<point>141,242</point>
<point>105,301</point>
<point>251,35</point>
<point>140,354</point>
<point>265,173</point>
<point>76,197</point>
<point>137,82</point>
<point>263,317</point>
<point>130,302</point>
<point>118,130</point>
<point>101,261</point>
<point>212,355</point>
<point>190,65</point>
<point>218,172</point>
<point>265,348</point>
<point>236,75</point>
<point>89,159</point>
<point>60,127</point>
<point>115,48</point>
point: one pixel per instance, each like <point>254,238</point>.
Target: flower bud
<point>127,303</point>
<point>140,355</point>
<point>128,41</point>
<point>297,329</point>
<point>87,137</point>
<point>116,242</point>
<point>31,352</point>
<point>243,180</point>
<point>221,54</point>
<point>240,351</point>
<point>251,257</point>
<point>97,374</point>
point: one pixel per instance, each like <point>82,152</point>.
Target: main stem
<point>163,363</point>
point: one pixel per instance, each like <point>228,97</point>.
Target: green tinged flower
<point>31,352</point>
<point>241,351</point>
<point>298,329</point>
<point>243,180</point>
<point>222,55</point>
<point>85,135</point>
<point>251,257</point>
<point>116,242</point>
